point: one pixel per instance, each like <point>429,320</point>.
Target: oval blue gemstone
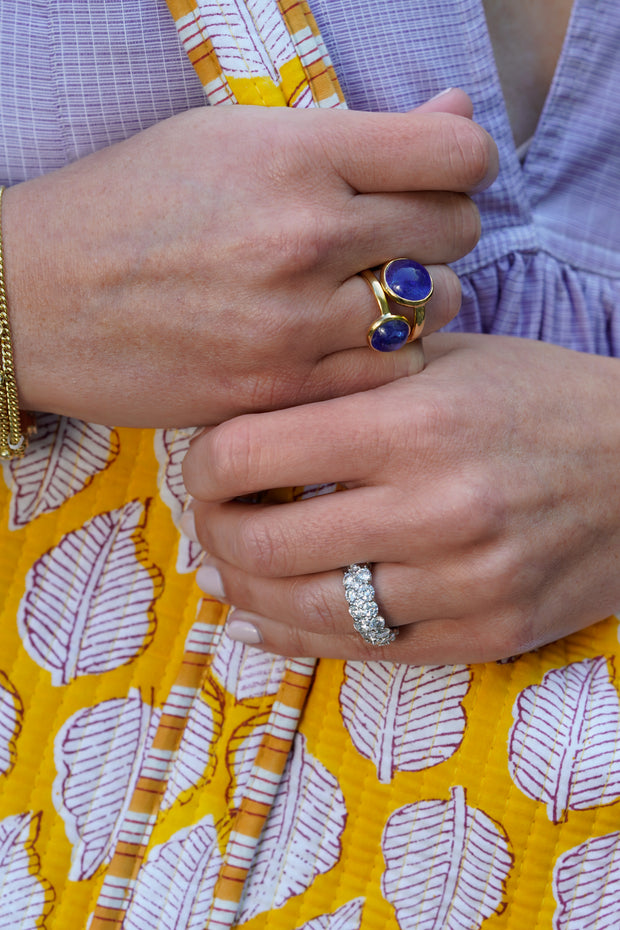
<point>408,279</point>
<point>390,335</point>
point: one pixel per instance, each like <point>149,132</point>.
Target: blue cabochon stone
<point>408,279</point>
<point>390,335</point>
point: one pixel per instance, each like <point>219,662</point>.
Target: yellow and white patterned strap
<point>269,53</point>
<point>260,52</point>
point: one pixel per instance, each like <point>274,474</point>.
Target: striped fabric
<point>271,54</point>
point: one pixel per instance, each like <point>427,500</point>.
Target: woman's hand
<point>484,491</point>
<point>208,266</point>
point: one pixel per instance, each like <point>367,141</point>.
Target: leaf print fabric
<point>11,713</point>
<point>302,836</point>
<point>63,457</point>
<point>88,605</point>
<point>404,717</point>
<point>176,884</point>
<point>171,446</point>
<point>347,917</point>
<point>99,752</point>
<point>25,897</point>
<point>565,742</point>
<point>446,865</point>
<point>586,884</point>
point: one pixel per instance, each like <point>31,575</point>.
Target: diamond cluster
<point>363,608</point>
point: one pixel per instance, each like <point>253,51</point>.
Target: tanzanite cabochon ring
<point>407,283</point>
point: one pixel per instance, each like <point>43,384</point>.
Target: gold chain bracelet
<point>13,440</point>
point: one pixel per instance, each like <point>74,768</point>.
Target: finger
<point>430,642</point>
<point>400,151</point>
<point>247,454</point>
<point>452,100</point>
<point>316,603</point>
<point>433,227</point>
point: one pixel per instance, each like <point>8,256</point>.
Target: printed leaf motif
<point>88,605</point>
<point>171,447</point>
<point>404,717</point>
<point>98,753</point>
<point>11,714</point>
<point>241,756</point>
<point>564,746</point>
<point>250,38</point>
<point>586,885</point>
<point>301,838</point>
<point>246,672</point>
<point>195,759</point>
<point>347,917</point>
<point>447,864</point>
<point>25,897</point>
<point>63,458</point>
<point>175,885</point>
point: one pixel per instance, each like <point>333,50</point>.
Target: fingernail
<point>187,525</point>
<point>440,94</point>
<point>242,631</point>
<point>209,580</point>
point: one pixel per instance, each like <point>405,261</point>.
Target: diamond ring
<point>364,610</point>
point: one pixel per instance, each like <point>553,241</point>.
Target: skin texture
<point>183,278</point>
<point>485,490</point>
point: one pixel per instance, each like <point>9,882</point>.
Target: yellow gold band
<point>13,440</point>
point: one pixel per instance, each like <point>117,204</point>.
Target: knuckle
<point>229,458</point>
<point>472,152</point>
<point>262,549</point>
<point>313,608</point>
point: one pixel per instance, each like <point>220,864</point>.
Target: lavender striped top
<point>78,76</point>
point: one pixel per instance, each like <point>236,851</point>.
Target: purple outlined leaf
<point>171,447</point>
<point>99,752</point>
<point>301,838</point>
<point>11,714</point>
<point>25,897</point>
<point>63,458</point>
<point>174,888</point>
<point>347,917</point>
<point>586,885</point>
<point>564,746</point>
<point>446,865</point>
<point>404,717</point>
<point>247,673</point>
<point>195,759</point>
<point>88,605</point>
<point>241,755</point>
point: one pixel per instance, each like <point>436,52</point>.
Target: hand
<point>208,266</point>
<point>484,491</point>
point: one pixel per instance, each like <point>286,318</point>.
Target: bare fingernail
<point>187,525</point>
<point>242,631</point>
<point>209,580</point>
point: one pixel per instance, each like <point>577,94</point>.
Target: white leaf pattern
<point>347,917</point>
<point>404,717</point>
<point>99,752</point>
<point>11,714</point>
<point>175,885</point>
<point>25,897</point>
<point>241,756</point>
<point>586,885</point>
<point>63,458</point>
<point>301,838</point>
<point>171,447</point>
<point>195,757</point>
<point>446,865</point>
<point>88,605</point>
<point>246,672</point>
<point>564,747</point>
<point>236,28</point>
